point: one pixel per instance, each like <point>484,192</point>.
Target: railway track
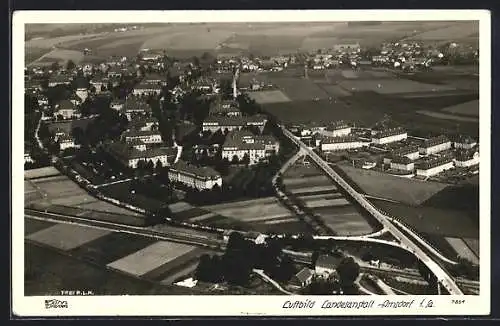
<point>192,238</point>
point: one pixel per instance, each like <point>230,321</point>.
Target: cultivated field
<point>431,220</point>
<point>335,90</point>
<point>60,56</point>
<point>264,97</point>
<point>345,221</point>
<point>48,171</point>
<point>150,258</point>
<point>297,89</point>
<point>257,38</point>
<point>317,192</point>
<point>249,210</point>
<point>446,116</point>
<point>392,86</point>
<point>467,108</point>
<point>458,31</point>
<point>473,244</point>
<point>66,236</point>
<point>463,250</point>
<point>58,189</point>
<point>378,184</point>
<point>84,266</point>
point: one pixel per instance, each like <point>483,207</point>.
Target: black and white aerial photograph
<point>252,158</point>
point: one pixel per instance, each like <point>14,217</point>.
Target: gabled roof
<point>193,170</point>
<point>304,274</point>
<point>65,105</point>
<point>81,82</point>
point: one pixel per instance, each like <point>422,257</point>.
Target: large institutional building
<point>215,123</point>
<point>130,154</point>
<point>434,165</point>
<point>194,176</point>
<point>467,158</point>
<point>389,136</point>
<point>331,144</point>
<point>435,145</point>
<point>146,136</point>
<point>241,143</point>
<point>336,129</point>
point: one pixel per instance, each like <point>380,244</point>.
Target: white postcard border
<point>242,305</point>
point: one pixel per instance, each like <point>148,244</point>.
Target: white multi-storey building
<point>464,142</point>
<point>336,129</point>
<point>215,123</point>
<point>434,166</point>
<point>402,163</point>
<point>389,136</point>
<point>330,144</point>
<point>146,136</point>
<point>409,151</point>
<point>131,154</point>
<point>193,176</point>
<point>467,158</point>
<point>241,143</point>
<point>435,145</point>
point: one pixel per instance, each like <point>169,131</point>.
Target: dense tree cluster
<point>240,257</point>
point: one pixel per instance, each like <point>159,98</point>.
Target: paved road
<point>273,282</point>
<point>442,276</point>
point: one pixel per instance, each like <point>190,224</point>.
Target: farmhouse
<point>241,143</point>
<point>66,109</point>
<point>146,136</point>
<point>336,129</point>
<point>326,265</point>
<point>193,176</point>
<point>66,141</point>
<point>467,158</point>
<point>330,144</point>
<point>389,136</point>
<point>59,80</point>
<point>435,145</point>
<point>145,88</point>
<point>215,123</point>
<point>434,165</point>
<point>302,279</point>
<point>131,154</point>
<point>98,82</point>
<point>402,163</point>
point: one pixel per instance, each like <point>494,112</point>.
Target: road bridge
<point>442,276</point>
